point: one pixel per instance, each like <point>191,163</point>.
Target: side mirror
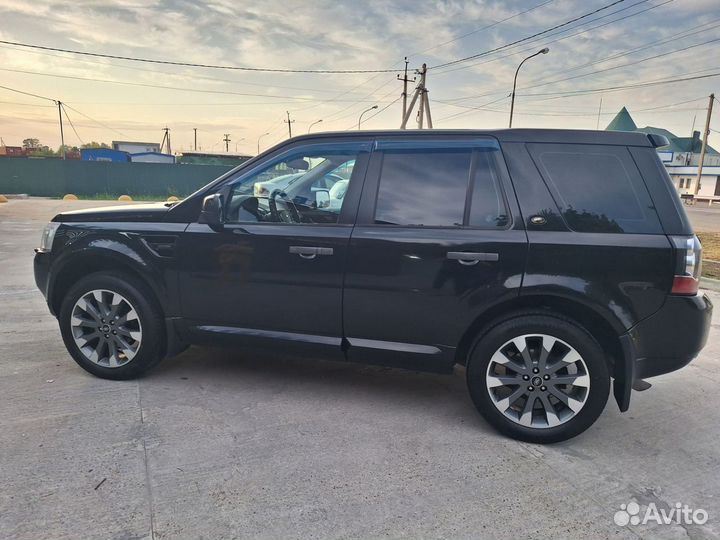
<point>322,198</point>
<point>212,212</point>
<point>298,164</point>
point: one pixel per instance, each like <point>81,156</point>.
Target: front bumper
<point>666,341</point>
<point>41,268</point>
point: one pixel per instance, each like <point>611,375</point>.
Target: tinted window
<point>598,188</point>
<point>423,187</point>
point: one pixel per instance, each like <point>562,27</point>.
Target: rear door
<point>438,240</point>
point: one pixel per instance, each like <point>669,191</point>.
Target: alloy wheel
<point>538,381</point>
<point>106,328</point>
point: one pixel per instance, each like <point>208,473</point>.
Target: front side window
<point>441,187</point>
<point>304,186</point>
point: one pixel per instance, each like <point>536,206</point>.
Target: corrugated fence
<point>55,177</point>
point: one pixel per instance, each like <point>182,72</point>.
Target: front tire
<point>111,326</point>
<point>538,378</point>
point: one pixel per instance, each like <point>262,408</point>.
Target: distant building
<point>681,157</point>
<point>12,151</point>
<point>210,158</point>
<point>152,157</point>
<point>104,154</point>
<point>133,147</point>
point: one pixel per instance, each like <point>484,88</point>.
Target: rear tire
<point>111,326</point>
<point>538,378</point>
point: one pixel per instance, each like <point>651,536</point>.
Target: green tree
<point>31,144</point>
<point>93,144</point>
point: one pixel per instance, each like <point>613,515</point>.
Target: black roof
<point>579,136</point>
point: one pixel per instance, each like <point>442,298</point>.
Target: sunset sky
<point>629,43</point>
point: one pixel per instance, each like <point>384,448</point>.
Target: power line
<point>192,64</point>
<point>67,117</point>
<point>26,93</point>
<point>545,42</point>
<point>539,82</point>
<point>176,74</point>
<point>96,121</point>
<point>162,87</point>
<point>496,23</point>
<point>484,53</point>
<point>623,87</point>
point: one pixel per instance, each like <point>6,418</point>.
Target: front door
<point>438,241</point>
<point>274,273</point>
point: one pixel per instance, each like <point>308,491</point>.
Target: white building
<point>133,147</point>
<point>684,178</point>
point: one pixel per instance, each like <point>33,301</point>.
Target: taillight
<point>688,265</point>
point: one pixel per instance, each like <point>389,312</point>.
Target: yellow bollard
<point>125,198</point>
<point>70,197</point>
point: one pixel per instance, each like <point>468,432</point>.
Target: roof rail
<point>658,140</point>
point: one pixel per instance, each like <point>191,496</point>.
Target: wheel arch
<point>87,261</point>
<point>598,326</point>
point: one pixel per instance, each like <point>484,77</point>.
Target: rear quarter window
<point>597,188</point>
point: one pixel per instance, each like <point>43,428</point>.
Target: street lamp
<point>512,101</point>
<point>366,110</point>
<point>237,141</point>
<point>312,124</point>
<point>260,137</point>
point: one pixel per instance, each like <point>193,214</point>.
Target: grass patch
<point>711,254</point>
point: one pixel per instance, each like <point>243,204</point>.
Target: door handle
<point>468,258</point>
<point>310,252</point>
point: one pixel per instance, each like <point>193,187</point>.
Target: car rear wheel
<point>111,326</point>
<point>538,378</point>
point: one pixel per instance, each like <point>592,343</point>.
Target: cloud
<point>338,34</point>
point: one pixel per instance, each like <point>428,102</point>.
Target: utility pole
<point>62,135</point>
<point>706,134</point>
<point>195,130</point>
<point>421,98</point>
<point>405,81</point>
<point>289,123</point>
<point>227,142</point>
<point>166,140</point>
<point>597,126</point>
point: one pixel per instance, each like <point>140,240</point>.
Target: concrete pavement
<point>217,444</point>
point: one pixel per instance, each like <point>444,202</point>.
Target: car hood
<point>125,212</point>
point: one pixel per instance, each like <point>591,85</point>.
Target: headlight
<point>48,236</point>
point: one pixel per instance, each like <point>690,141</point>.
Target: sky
<point>632,42</point>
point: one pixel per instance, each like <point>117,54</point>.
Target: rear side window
<point>598,188</point>
<point>440,187</point>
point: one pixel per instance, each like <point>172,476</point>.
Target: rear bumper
<point>673,336</point>
<point>666,341</point>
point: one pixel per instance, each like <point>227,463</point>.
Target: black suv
<point>545,261</point>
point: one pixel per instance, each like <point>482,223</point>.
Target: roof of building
<point>624,122</point>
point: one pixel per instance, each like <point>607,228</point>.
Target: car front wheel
<point>538,378</point>
<point>111,326</point>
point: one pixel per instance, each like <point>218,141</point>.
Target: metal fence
<point>55,178</point>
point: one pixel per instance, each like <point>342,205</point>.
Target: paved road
<point>703,218</point>
<point>217,444</point>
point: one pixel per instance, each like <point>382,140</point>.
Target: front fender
<point>83,251</point>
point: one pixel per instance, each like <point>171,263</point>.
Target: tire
<point>129,338</point>
<point>557,411</point>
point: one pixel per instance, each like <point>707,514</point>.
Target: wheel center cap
<point>537,381</point>
<point>105,328</point>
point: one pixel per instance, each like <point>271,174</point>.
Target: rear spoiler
<point>658,140</point>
